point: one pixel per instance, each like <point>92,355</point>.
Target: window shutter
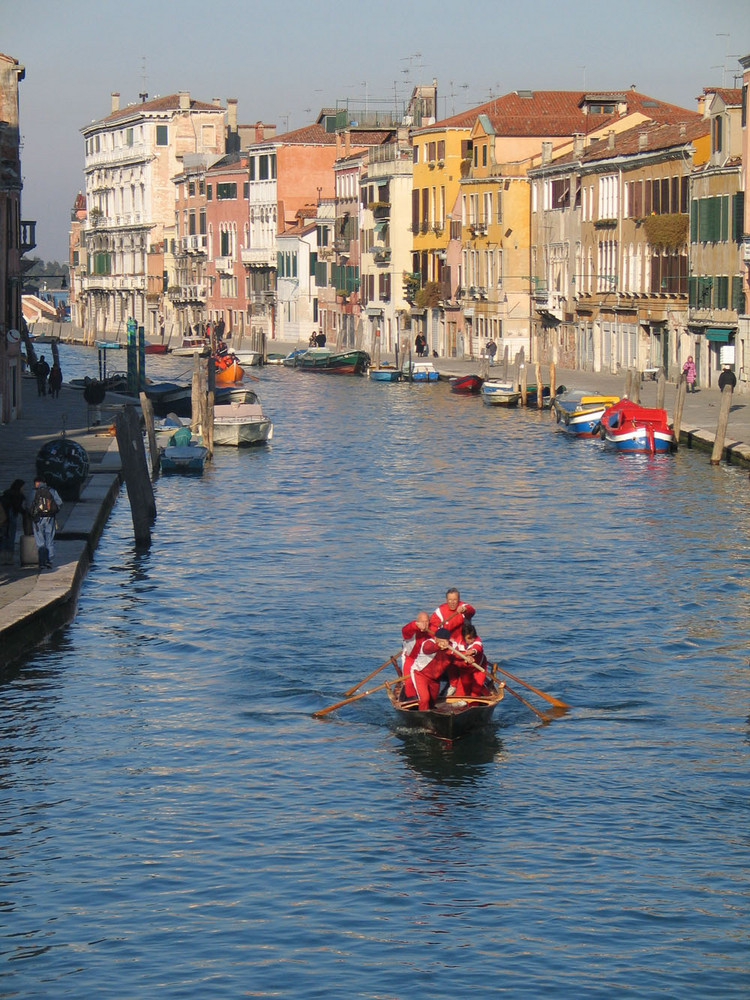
<point>694,222</point>
<point>738,216</point>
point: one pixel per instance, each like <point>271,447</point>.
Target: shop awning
<point>719,334</point>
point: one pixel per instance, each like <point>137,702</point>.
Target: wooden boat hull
<point>466,385</point>
<point>580,415</point>
<point>636,429</point>
<point>451,718</point>
<point>500,394</point>
<point>228,370</point>
<point>156,349</point>
<point>347,363</point>
<point>169,397</point>
<point>385,374</point>
<point>187,460</point>
<point>420,371</point>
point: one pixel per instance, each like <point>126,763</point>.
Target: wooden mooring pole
<point>679,405</point>
<point>539,386</point>
<point>135,473</point>
<point>721,427</point>
<point>147,409</point>
<point>552,377</point>
<point>661,390</point>
<point>635,386</point>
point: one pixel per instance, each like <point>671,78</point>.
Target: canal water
<point>175,824</point>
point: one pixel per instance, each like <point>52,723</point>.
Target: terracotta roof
<point>169,103</point>
<point>558,112</point>
<point>648,137</point>
<point>316,135</point>
<point>729,95</point>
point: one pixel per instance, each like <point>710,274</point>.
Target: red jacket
<point>443,617</point>
<point>419,649</point>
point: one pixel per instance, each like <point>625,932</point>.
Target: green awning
<point>720,334</point>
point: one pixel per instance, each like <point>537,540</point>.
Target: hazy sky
<point>285,60</point>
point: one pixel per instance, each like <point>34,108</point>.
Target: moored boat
<point>170,397</point>
<point>183,454</point>
<point>578,412</point>
<point>500,393</point>
<point>634,428</point>
<point>248,358</point>
<point>191,346</point>
<point>241,423</point>
<point>150,348</point>
<point>385,373</point>
<point>420,371</point>
<point>451,717</point>
<point>321,359</point>
<point>466,385</point>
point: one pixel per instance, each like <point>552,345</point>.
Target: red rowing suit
<point>423,663</point>
<point>443,617</point>
<point>469,680</point>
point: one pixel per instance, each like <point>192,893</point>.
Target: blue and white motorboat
<point>579,412</point>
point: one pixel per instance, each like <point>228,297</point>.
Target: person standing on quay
<point>13,501</point>
<point>688,370</point>
<point>55,380</point>
<point>41,371</point>
<point>727,377</point>
<point>45,504</point>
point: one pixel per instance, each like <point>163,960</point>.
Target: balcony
<point>224,265</point>
<point>259,257</point>
<point>28,237</point>
<point>382,255</point>
<point>114,282</point>
<point>187,293</point>
<point>194,244</point>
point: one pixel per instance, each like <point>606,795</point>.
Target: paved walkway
<point>33,603</point>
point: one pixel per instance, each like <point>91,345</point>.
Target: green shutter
<point>724,212</point>
<point>738,294</point>
<point>694,222</point>
<point>738,216</point>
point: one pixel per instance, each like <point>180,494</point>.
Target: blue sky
<point>284,61</point>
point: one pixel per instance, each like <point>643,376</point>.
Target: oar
<point>363,694</point>
<point>528,704</point>
<point>391,659</point>
<point>547,697</point>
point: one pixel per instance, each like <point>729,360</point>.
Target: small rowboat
<point>497,393</point>
<point>466,385</point>
<point>385,373</point>
<point>451,717</point>
<point>578,413</point>
<point>636,429</point>
<point>228,369</point>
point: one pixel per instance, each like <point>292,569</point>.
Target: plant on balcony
<point>95,216</point>
<point>668,232</point>
<point>605,224</point>
<point>412,284</point>
<point>429,296</point>
<point>375,206</point>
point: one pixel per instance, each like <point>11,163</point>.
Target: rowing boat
<point>451,717</point>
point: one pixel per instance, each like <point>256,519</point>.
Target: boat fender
<point>602,432</point>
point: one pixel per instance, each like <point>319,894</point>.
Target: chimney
<point>232,114</point>
<point>216,101</point>
<point>611,139</point>
<point>643,140</point>
<point>115,102</point>
<point>578,140</point>
<point>546,152</point>
<point>184,100</point>
<point>683,130</point>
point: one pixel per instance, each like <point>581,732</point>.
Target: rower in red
<point>452,614</point>
<point>469,679</point>
<point>424,660</point>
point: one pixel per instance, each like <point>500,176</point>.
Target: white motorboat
<point>241,422</point>
<point>247,358</point>
<point>191,346</point>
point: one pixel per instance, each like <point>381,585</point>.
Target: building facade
<point>130,159</point>
<point>17,237</point>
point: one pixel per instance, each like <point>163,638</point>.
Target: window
<point>203,222</point>
<point>191,189</point>
<point>484,155</point>
<point>128,137</point>
<point>191,224</point>
<point>430,152</point>
<point>226,243</point>
<point>441,149</point>
<point>252,168</point>
<point>246,190</point>
<point>263,172</point>
<point>162,135</point>
<point>226,191</point>
<point>716,135</point>
<point>415,153</point>
<point>209,192</point>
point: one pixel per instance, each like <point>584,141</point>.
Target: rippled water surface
<point>175,823</point>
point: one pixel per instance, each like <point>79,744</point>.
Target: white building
<point>131,157</point>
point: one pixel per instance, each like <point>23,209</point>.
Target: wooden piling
<point>628,383</point>
<point>552,377</point>
<point>506,359</point>
<point>195,395</point>
<point>721,427</point>
<point>539,386</point>
<point>522,383</point>
<point>635,386</point>
<point>661,390</point>
<point>147,409</point>
<point>135,473</point>
<point>679,404</point>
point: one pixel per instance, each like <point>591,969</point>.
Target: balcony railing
<point>194,244</point>
<point>258,256</point>
<point>224,264</point>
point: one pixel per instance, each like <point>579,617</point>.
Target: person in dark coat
<point>727,377</point>
<point>13,502</point>
<point>42,373</point>
<point>55,380</point>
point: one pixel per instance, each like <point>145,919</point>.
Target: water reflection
<point>462,762</point>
